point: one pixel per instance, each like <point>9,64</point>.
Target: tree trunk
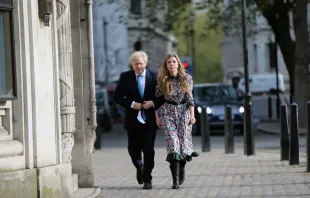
<point>279,21</point>
<point>301,59</point>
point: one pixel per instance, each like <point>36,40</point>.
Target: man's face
<point>138,65</point>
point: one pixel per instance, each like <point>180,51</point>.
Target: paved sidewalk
<point>212,174</point>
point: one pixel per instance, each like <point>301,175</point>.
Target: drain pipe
<point>92,121</point>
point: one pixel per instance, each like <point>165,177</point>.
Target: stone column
<point>82,154</point>
<point>66,78</point>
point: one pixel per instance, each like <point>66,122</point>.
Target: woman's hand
<point>158,121</point>
<point>192,113</point>
<point>193,120</point>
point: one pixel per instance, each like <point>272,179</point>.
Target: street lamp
<point>248,127</point>
<point>105,23</point>
<point>192,34</point>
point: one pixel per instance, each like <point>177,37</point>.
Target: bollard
<point>248,137</point>
<point>294,143</point>
<point>229,131</point>
<point>308,136</point>
<point>269,107</point>
<point>205,131</point>
<point>284,139</point>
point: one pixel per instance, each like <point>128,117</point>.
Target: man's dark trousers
<point>141,139</point>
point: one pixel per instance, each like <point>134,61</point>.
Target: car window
<point>100,97</point>
<point>214,94</point>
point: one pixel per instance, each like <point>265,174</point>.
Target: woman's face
<point>172,66</point>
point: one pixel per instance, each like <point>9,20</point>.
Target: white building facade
<point>259,44</point>
<point>122,27</point>
<point>144,35</point>
<point>47,104</point>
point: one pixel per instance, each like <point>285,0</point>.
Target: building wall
<point>258,52</point>
<point>156,44</point>
<point>155,41</point>
<point>84,135</point>
<point>138,28</point>
<point>33,116</point>
<point>34,145</point>
<point>110,36</point>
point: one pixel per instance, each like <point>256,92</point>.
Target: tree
<point>278,16</point>
<point>207,43</point>
<point>175,20</point>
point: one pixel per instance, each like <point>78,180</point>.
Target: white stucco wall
<point>115,15</point>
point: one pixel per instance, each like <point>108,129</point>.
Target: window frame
<point>273,55</point>
<point>9,8</point>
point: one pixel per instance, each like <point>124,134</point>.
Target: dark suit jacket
<point>127,91</point>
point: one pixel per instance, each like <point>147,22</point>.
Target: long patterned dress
<point>175,120</point>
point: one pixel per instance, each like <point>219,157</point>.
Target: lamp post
<point>192,34</point>
<point>248,128</point>
<point>277,76</point>
<point>105,23</point>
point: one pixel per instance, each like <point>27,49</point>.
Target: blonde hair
<point>165,80</point>
<point>138,54</point>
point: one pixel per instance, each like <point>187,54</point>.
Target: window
<point>7,65</point>
<point>273,55</point>
<point>137,46</point>
<point>256,63</point>
<point>135,7</point>
<point>215,94</point>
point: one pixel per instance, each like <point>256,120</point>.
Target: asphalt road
<point>118,139</point>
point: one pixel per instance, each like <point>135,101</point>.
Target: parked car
<point>104,122</point>
<point>215,97</point>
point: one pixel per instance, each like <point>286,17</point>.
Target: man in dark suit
<point>135,92</point>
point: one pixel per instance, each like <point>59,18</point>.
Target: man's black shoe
<point>140,175</point>
<point>147,185</point>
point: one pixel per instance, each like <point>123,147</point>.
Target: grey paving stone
<point>212,174</point>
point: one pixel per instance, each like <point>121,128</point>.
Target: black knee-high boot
<point>174,167</point>
<point>182,172</point>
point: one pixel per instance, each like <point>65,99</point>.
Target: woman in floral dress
<point>176,116</point>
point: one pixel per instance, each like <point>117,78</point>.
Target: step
<point>74,182</point>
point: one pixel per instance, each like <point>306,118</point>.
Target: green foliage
<point>207,43</point>
<point>173,15</point>
<point>208,52</point>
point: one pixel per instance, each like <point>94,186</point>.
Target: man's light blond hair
<point>138,54</point>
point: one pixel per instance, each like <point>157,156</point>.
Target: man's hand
<point>137,106</point>
<point>147,104</point>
